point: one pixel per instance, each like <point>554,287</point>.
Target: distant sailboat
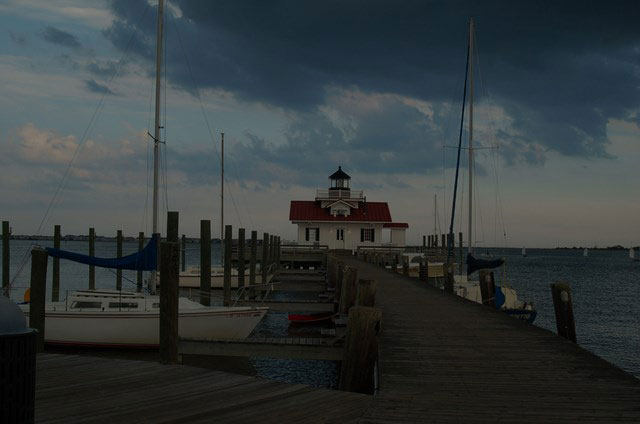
<point>585,253</point>
<point>524,251</point>
<point>632,255</point>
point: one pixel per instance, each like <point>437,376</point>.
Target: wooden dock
<point>446,359</point>
<point>73,388</point>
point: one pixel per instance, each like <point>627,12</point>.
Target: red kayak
<point>310,318</point>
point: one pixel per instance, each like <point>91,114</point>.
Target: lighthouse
<point>341,218</point>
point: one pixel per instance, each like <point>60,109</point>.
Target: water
<point>605,291</point>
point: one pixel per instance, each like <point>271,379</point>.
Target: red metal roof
<point>396,225</point>
<point>309,210</point>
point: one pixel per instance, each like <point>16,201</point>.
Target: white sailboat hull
<point>132,328</point>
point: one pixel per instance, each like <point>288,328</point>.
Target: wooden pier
<point>445,359</point>
<point>85,389</point>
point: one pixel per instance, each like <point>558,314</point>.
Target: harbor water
<point>605,291</point>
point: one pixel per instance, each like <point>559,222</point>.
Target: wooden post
<point>169,274</point>
<point>6,238</point>
<point>172,227</point>
<point>405,265</point>
<point>448,278</point>
<point>360,350</point>
<point>205,262</point>
<point>241,239</point>
<point>139,276</point>
<point>487,288</point>
<point>366,293</point>
<point>252,262</point>
<point>119,255</point>
<point>561,293</point>
<point>424,243</point>
<point>228,244</point>
<point>278,241</point>
<point>38,294</point>
<point>396,262</point>
<point>444,241</point>
<point>265,258</point>
<point>422,271</point>
<point>55,278</point>
<point>183,254</point>
<point>435,241</point>
<point>460,250</point>
<point>92,252</point>
<point>339,275</point>
<point>272,249</point>
<point>348,289</point>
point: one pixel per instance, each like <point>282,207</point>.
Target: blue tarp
<point>500,298</point>
<point>144,260</point>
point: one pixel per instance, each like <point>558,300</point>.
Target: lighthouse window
<point>312,234</point>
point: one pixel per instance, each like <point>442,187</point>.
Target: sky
<point>300,88</point>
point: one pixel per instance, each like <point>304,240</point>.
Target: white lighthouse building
<point>342,218</point>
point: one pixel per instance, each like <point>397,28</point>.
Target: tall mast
<point>435,214</point>
<point>470,231</point>
<point>156,133</point>
<point>222,193</point>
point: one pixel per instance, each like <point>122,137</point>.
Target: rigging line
<point>455,187</point>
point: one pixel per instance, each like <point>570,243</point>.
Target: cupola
<point>339,180</point>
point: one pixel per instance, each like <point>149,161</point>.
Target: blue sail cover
<point>144,260</point>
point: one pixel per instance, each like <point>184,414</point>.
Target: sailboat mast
<point>156,132</point>
<point>470,230</point>
<point>435,213</point>
<point>222,195</point>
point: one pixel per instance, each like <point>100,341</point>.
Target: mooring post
<point>169,274</point>
<point>444,242</point>
<point>405,265</point>
<point>55,278</point>
<point>435,240</point>
<point>561,293</point>
<point>348,289</point>
<point>265,258</point>
<point>448,278</point>
<point>360,350</point>
<point>119,255</point>
<point>421,270</point>
<point>228,252</point>
<point>38,289</point>
<point>487,288</point>
<point>6,237</point>
<point>339,278</point>
<point>139,276</point>
<point>183,254</point>
<point>424,243</point>
<point>396,262</point>
<point>366,293</point>
<point>252,262</point>
<point>172,227</point>
<point>278,253</point>
<point>205,262</point>
<point>461,252</point>
<point>92,252</point>
<point>241,239</point>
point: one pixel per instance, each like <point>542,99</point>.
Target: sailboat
<point>506,298</point>
<point>117,318</point>
<point>524,252</point>
<point>632,255</point>
<point>585,252</point>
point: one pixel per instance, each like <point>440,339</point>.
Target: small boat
<point>318,318</point>
<point>632,255</point>
<point>191,278</point>
<point>123,319</point>
<point>585,253</point>
<point>524,252</point>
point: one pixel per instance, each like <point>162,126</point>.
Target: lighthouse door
<point>340,238</point>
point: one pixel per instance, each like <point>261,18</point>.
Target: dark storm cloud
<point>62,38</point>
<point>96,87</point>
<point>560,70</point>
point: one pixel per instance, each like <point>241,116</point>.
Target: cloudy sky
<point>300,88</point>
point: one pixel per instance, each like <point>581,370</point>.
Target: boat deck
<point>446,359</point>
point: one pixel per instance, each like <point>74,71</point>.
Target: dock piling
<point>92,252</point>
<point>119,255</point>
<point>55,278</point>
<point>360,350</point>
<point>561,293</point>
<point>6,237</point>
<point>228,244</point>
<point>183,251</point>
<point>169,274</point>
<point>205,262</point>
<point>252,262</point>
<point>366,293</point>
<point>348,289</point>
<point>172,226</point>
<point>448,278</point>
<point>241,240</point>
<point>139,276</point>
<point>38,289</point>
<point>487,288</point>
